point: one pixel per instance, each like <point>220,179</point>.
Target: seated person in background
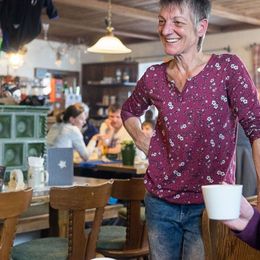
<point>88,130</point>
<point>112,131</point>
<point>147,128</point>
<point>66,132</point>
<point>247,226</point>
<point>151,114</point>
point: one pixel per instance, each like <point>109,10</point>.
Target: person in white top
<point>66,132</point>
<point>113,131</point>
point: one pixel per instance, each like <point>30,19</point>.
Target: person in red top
<point>200,99</point>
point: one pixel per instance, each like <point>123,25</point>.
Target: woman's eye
<point>178,23</point>
<point>161,22</point>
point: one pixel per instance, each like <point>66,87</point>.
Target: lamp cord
<point>109,14</point>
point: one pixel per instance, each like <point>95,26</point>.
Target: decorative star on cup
<point>62,164</point>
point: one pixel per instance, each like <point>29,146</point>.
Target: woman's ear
<point>202,27</point>
<point>72,120</point>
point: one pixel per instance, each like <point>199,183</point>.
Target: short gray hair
<point>200,9</point>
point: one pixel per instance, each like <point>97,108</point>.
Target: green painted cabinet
<point>22,134</point>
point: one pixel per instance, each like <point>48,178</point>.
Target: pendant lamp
<point>109,44</point>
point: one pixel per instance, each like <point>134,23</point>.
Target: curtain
<point>256,64</point>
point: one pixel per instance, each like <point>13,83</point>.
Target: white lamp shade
<point>109,44</point>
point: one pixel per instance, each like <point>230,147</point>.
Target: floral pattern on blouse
<point>195,136</point>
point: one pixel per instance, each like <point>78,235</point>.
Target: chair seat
<point>50,248</point>
<point>122,213</point>
<point>111,237</point>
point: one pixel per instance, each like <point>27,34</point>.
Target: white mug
<point>222,201</point>
<point>37,177</point>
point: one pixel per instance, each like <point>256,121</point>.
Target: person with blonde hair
<point>113,131</point>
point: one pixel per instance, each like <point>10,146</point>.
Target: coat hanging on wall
<point>21,21</point>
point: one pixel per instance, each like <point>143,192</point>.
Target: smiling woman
<point>199,104</point>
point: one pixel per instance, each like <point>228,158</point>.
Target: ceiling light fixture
<point>109,44</point>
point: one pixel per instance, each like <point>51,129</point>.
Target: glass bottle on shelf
<point>126,76</point>
<point>118,76</point>
<point>65,87</point>
<point>105,100</point>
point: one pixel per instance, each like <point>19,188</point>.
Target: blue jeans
<point>174,231</point>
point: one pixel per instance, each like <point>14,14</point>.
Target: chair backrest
<point>76,200</point>
<point>221,244</point>
<point>132,192</point>
<point>12,204</point>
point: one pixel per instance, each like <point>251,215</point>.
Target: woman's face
<point>78,121</point>
<point>176,29</point>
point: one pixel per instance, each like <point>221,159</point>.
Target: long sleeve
<point>251,233</point>
<point>138,102</point>
<point>243,98</point>
<point>79,145</point>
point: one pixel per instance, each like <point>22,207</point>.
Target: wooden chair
<point>12,204</point>
<point>77,245</point>
<point>221,244</point>
<point>130,241</point>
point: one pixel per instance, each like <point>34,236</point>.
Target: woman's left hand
<point>246,213</point>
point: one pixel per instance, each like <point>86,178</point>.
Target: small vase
<point>128,155</point>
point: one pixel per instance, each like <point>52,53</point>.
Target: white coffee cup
<point>222,201</point>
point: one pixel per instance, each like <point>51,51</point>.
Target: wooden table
<point>110,171</point>
<point>31,221</point>
<point>119,167</point>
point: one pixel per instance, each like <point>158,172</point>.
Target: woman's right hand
<point>142,141</point>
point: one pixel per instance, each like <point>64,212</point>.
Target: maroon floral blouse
<point>195,136</point>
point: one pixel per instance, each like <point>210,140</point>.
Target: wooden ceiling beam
<point>220,11</point>
<point>116,9</point>
<point>214,28</point>
<point>238,27</point>
<point>70,24</point>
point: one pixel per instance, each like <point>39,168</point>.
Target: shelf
<point>100,86</point>
<point>101,105</point>
<point>123,84</point>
